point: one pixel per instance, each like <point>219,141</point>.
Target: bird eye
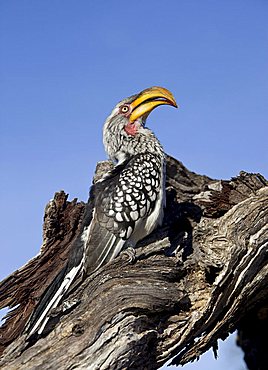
<point>124,108</point>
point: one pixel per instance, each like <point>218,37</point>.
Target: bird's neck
<point>143,142</point>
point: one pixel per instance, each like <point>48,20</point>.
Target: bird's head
<point>124,131</point>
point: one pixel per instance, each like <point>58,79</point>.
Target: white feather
<point>43,319</point>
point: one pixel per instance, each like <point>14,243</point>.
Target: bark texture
<point>196,279</point>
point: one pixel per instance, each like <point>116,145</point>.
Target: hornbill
<point>128,202</point>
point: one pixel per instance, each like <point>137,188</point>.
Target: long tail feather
<point>51,299</point>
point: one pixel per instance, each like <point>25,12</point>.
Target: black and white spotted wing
<point>122,202</point>
<point>130,196</point>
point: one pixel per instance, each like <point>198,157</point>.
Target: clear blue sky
<point>65,64</point>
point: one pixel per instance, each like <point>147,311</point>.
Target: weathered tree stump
<point>200,276</point>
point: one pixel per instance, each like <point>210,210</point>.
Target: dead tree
<point>199,277</point>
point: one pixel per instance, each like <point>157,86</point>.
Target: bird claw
<point>130,252</point>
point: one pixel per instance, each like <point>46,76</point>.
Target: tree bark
<point>199,277</point>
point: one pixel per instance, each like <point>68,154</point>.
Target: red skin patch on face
<point>131,128</point>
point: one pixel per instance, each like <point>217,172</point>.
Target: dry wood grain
<point>196,279</point>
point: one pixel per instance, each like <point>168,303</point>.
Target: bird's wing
<point>123,202</point>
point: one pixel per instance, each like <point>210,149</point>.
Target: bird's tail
<point>98,247</point>
<point>51,299</point>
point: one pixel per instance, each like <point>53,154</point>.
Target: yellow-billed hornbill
<point>128,201</point>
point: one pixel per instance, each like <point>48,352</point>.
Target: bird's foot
<point>130,253</point>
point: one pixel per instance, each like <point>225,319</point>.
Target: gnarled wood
<point>195,280</point>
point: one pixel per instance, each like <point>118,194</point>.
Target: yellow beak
<point>149,99</point>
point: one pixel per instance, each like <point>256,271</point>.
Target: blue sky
<point>65,64</point>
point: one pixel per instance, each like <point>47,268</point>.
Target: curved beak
<point>149,99</point>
